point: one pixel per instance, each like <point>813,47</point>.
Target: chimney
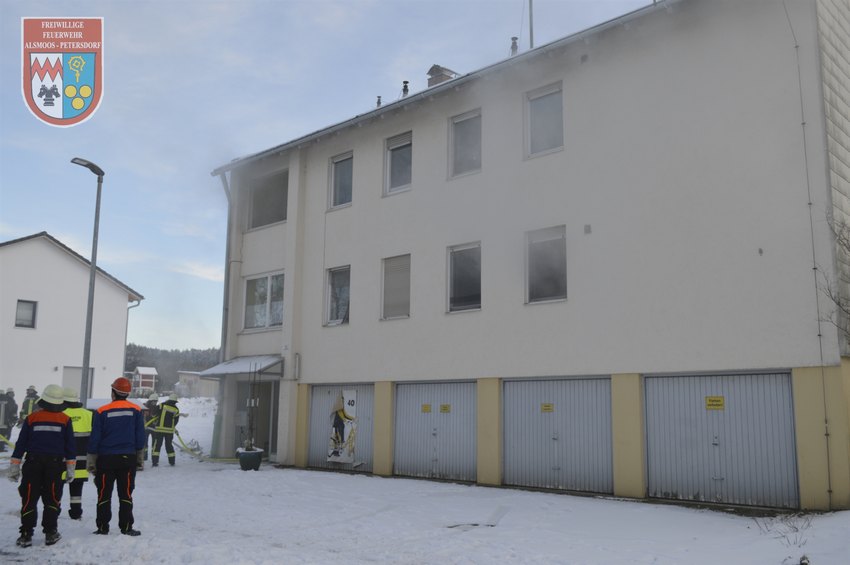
<point>379,102</point>
<point>438,74</point>
<point>404,89</point>
<point>514,46</point>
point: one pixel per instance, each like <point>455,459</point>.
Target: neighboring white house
<point>43,298</point>
<point>190,384</point>
<point>596,266</point>
<point>144,380</point>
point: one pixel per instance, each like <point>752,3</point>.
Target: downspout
<point>225,309</point>
<point>225,314</point>
<point>126,330</point>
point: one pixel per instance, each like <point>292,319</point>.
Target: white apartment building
<point>597,266</point>
<point>43,297</point>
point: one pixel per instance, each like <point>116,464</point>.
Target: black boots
<point>25,540</point>
<point>51,537</point>
<point>131,532</point>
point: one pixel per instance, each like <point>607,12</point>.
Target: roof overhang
<point>266,364</point>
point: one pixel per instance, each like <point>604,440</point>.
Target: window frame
<point>268,310</point>
<point>384,285</point>
<point>33,317</point>
<point>332,176</point>
<point>329,296</point>
<point>530,97</point>
<point>450,277</point>
<point>538,236</point>
<point>254,185</point>
<point>452,145</point>
<point>390,145</point>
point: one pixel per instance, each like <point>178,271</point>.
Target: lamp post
<point>84,382</point>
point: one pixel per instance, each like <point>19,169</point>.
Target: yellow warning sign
<point>547,407</point>
<point>715,402</point>
<point>445,408</point>
<point>426,408</point>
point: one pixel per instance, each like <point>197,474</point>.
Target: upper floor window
<point>545,120</point>
<point>25,314</point>
<point>399,159</point>
<point>465,143</point>
<point>264,302</point>
<point>465,277</point>
<point>546,264</point>
<point>339,289</point>
<point>396,287</point>
<point>269,197</point>
<point>342,176</point>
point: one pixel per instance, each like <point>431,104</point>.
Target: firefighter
<point>150,411</point>
<point>29,405</point>
<point>47,438</point>
<point>81,419</point>
<point>166,423</point>
<point>114,455</point>
<point>8,416</point>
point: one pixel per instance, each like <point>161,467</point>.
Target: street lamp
<point>84,382</point>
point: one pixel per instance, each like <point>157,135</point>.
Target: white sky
<point>191,85</point>
<point>215,514</point>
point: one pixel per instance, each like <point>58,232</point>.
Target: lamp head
<point>89,165</point>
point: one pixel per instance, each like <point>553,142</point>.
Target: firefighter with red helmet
<point>115,452</point>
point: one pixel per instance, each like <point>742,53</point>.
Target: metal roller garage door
<point>722,438</point>
<point>557,434</point>
<point>322,401</point>
<point>435,430</point>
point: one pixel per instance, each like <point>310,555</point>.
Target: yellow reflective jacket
<point>81,419</point>
<point>169,414</point>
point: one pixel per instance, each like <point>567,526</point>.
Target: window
<point>269,197</point>
<point>399,162</point>
<point>546,264</point>
<point>396,287</point>
<point>264,302</point>
<point>342,170</point>
<point>545,121</point>
<point>465,143</point>
<point>465,277</point>
<point>25,314</point>
<point>339,287</point>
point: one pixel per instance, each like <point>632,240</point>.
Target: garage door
<point>435,430</point>
<point>557,434</point>
<point>722,438</point>
<point>325,400</point>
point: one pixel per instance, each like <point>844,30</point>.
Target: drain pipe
<point>126,331</point>
<point>225,308</point>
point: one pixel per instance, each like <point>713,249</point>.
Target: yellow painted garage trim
<point>820,404</point>
<point>383,421</point>
<point>489,424</point>
<point>302,426</point>
<point>627,427</point>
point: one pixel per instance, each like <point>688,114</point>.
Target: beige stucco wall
<point>823,462</point>
<point>489,433</point>
<point>383,421</point>
<point>627,429</point>
<point>302,426</point>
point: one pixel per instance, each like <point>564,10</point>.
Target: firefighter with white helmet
<point>165,425</point>
<point>150,411</point>
<point>81,420</point>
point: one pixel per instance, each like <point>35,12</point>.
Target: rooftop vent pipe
<point>379,102</point>
<point>404,90</point>
<point>514,46</point>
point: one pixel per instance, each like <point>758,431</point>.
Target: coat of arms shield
<point>62,68</point>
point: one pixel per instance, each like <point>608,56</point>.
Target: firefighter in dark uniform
<point>8,416</point>
<point>115,453</point>
<point>47,438</point>
<point>81,419</point>
<point>150,411</point>
<point>28,406</point>
<point>169,415</point>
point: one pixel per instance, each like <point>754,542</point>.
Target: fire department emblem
<point>62,68</point>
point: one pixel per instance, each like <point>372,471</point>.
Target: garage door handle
<point>718,478</point>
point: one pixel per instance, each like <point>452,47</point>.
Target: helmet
<point>10,390</point>
<point>31,388</point>
<point>71,395</point>
<point>172,396</point>
<point>121,386</point>
<point>153,396</point>
<point>53,394</point>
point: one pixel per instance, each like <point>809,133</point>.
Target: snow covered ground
<point>212,512</point>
